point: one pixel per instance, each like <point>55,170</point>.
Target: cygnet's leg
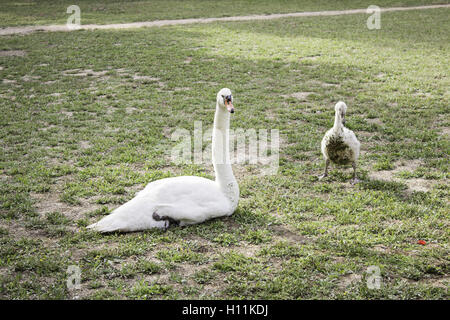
<point>327,163</point>
<point>169,221</point>
<point>355,179</point>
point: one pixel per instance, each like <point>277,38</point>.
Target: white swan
<point>188,199</point>
<point>339,145</point>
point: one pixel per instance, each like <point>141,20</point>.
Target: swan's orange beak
<point>229,106</point>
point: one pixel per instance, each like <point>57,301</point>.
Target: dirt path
<point>161,23</point>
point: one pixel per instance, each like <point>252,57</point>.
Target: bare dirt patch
<point>131,110</point>
<point>323,84</point>
<point>144,78</point>
<point>446,131</point>
<point>414,184</point>
<point>67,113</point>
<point>281,232</point>
<point>12,53</point>
<point>327,217</point>
<point>84,73</point>
<point>182,89</point>
<point>348,280</point>
<point>7,81</point>
<point>375,121</point>
<point>85,144</point>
<point>248,250</point>
<point>418,184</point>
<point>50,202</point>
<point>122,71</point>
<point>18,231</point>
<point>381,248</point>
<point>28,78</point>
<point>438,283</point>
<point>299,95</point>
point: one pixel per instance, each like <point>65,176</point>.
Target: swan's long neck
<point>221,156</point>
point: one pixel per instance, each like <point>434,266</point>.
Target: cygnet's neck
<point>338,126</point>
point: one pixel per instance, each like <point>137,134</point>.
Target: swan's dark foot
<point>355,180</point>
<point>325,174</point>
<point>169,221</point>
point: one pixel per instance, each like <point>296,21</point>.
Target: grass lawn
<point>31,12</point>
<point>86,121</point>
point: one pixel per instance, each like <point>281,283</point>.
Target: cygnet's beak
<point>229,106</point>
<point>343,121</point>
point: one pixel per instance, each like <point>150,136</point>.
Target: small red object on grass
<point>422,242</point>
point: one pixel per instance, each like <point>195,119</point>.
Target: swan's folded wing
<point>188,200</point>
<point>351,140</point>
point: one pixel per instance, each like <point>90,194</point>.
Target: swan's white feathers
<point>187,199</point>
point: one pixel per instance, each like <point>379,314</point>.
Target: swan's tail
<point>134,215</point>
<point>107,224</point>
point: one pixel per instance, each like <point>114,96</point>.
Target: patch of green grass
<point>145,290</point>
<point>57,218</point>
<point>232,261</point>
<point>226,239</point>
<point>383,164</point>
<point>81,134</point>
<point>422,173</point>
<point>258,236</point>
<point>148,267</point>
<point>183,254</point>
<point>204,276</point>
<point>281,250</point>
